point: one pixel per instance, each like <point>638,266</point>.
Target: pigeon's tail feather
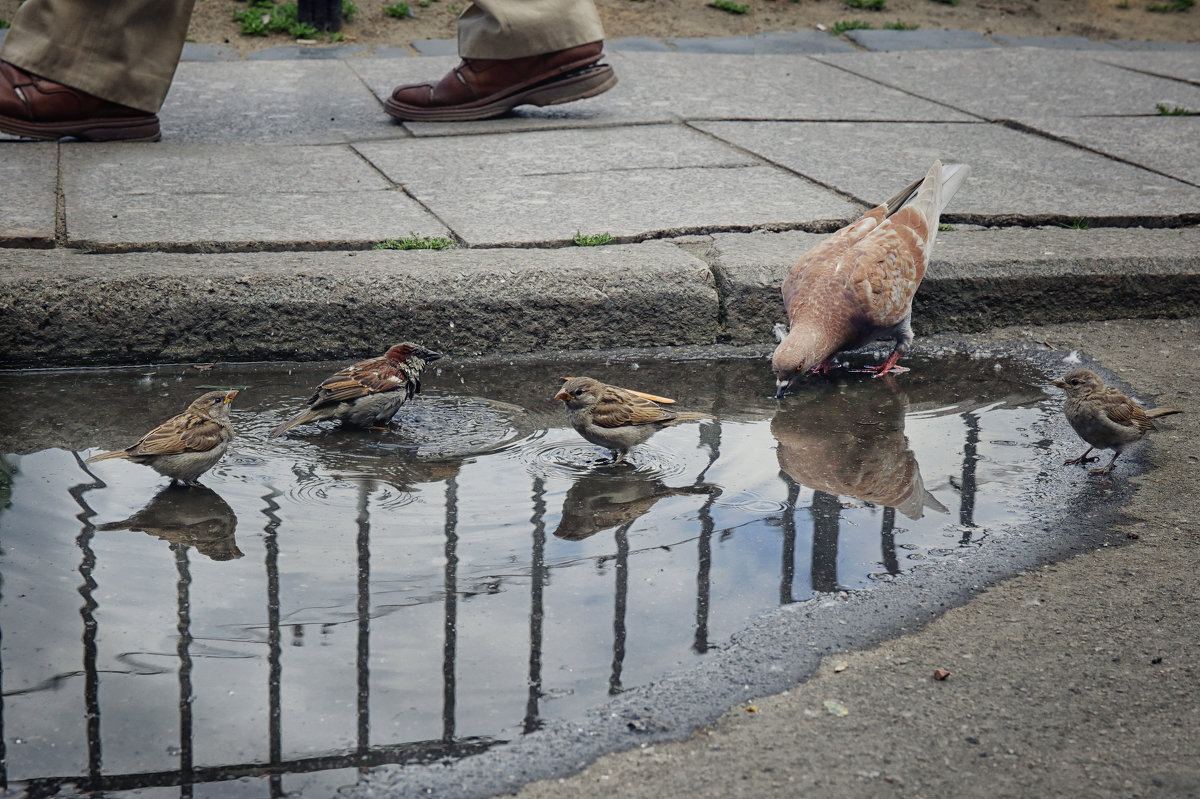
<point>904,196</point>
<point>953,176</point>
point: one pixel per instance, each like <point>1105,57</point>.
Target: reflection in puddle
<point>345,598</point>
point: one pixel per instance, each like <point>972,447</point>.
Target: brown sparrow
<point>1103,416</point>
<point>195,517</point>
<point>858,285</point>
<point>617,418</point>
<point>369,393</point>
<point>185,446</point>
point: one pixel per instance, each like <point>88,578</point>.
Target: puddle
<point>338,599</point>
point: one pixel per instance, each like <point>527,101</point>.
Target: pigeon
<point>617,418</point>
<point>187,445</point>
<point>369,393</point>
<point>858,285</point>
<point>1103,416</point>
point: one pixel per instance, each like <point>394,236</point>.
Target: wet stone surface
<point>335,599</point>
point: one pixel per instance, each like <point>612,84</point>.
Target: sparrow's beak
<point>1058,383</point>
<point>562,395</point>
<point>229,397</point>
<point>430,356</point>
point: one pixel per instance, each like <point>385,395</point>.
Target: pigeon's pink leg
<point>887,367</point>
<point>824,367</point>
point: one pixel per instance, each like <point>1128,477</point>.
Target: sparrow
<point>369,393</point>
<point>596,502</point>
<point>196,517</point>
<point>858,285</point>
<point>187,445</point>
<point>1103,416</point>
<point>617,418</point>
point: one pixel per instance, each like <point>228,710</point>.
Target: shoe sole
<point>135,129</point>
<point>577,85</point>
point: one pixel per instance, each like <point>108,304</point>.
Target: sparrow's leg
<point>1105,469</point>
<point>1082,459</point>
<point>620,457</point>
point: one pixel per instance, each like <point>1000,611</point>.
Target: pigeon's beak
<point>781,387</point>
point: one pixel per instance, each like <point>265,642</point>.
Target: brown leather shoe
<point>42,109</point>
<point>482,88</point>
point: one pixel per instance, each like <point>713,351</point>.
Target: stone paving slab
<point>305,102</point>
<point>885,40</point>
<point>550,152</point>
<point>766,43</point>
<point>28,182</point>
<point>1168,144</point>
<point>1181,65</point>
<point>1022,83</point>
<point>128,196</point>
<point>62,307</point>
<point>1014,175</point>
<point>667,87</point>
<point>550,209</point>
<point>1051,42</point>
<point>981,278</point>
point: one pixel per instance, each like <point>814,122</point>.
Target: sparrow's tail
<point>690,416</point>
<point>302,418</point>
<point>120,453</point>
<point>1154,413</point>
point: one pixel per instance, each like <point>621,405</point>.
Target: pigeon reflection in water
<point>600,502</point>
<point>852,443</point>
<point>192,517</point>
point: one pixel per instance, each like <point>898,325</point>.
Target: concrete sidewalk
<point>711,165</point>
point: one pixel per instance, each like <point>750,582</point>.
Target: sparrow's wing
<point>653,397</point>
<point>1126,412</point>
<point>368,377</point>
<point>618,407</point>
<point>186,432</point>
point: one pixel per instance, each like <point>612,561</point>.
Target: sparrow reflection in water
<point>602,502</point>
<point>197,517</point>
<point>852,443</point>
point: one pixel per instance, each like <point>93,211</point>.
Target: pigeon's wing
<point>618,407</point>
<point>186,432</point>
<point>888,266</point>
<point>367,377</point>
<point>824,261</point>
<point>1125,412</point>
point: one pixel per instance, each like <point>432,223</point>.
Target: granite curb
<point>66,308</point>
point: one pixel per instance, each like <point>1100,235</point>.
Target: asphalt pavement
<point>249,233</point>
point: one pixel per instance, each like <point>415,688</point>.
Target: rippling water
<point>339,598</point>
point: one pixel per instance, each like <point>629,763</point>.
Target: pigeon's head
<point>795,357</point>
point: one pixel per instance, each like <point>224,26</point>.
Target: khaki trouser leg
<point>124,51</point>
<point>519,28</point>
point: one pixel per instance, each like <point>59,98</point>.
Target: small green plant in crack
<point>591,241</point>
<point>414,242</point>
<point>1078,223</point>
<point>1168,111</point>
<point>729,6</point>
<point>5,23</point>
<point>900,26</point>
<point>947,2</point>
<point>867,5</point>
<point>841,26</point>
<point>1173,7</point>
<point>399,11</point>
<point>944,227</point>
<point>349,10</point>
